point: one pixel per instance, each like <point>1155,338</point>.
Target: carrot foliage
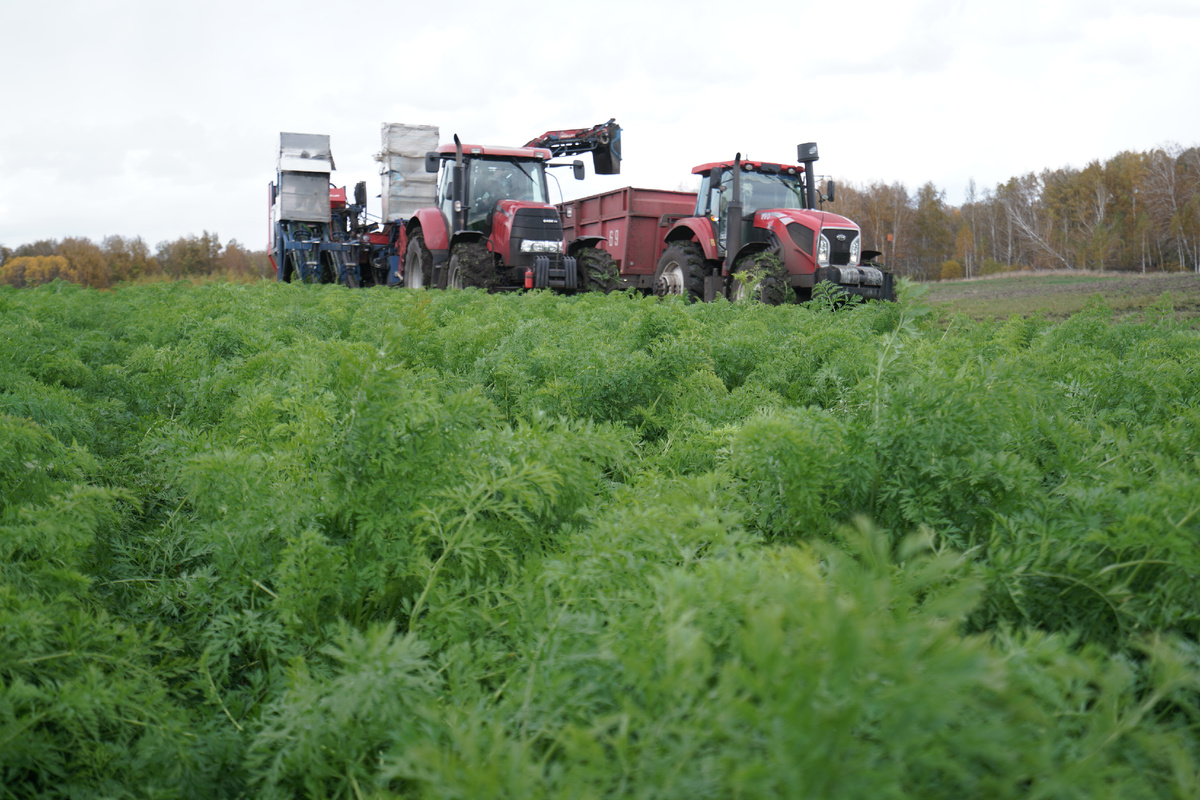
<point>281,541</point>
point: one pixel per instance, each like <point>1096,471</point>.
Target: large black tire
<point>680,271</point>
<point>471,266</point>
<point>597,270</point>
<point>418,263</point>
<point>767,266</point>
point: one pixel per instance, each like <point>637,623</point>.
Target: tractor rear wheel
<point>597,270</point>
<point>471,266</point>
<point>418,263</point>
<point>680,271</point>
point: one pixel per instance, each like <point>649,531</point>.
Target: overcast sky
<point>160,119</point>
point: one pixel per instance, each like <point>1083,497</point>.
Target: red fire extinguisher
<point>529,277</point>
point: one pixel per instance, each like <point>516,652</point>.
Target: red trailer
<point>630,225</point>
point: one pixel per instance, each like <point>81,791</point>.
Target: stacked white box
<point>406,185</point>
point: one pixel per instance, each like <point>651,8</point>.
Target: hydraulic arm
<point>603,141</point>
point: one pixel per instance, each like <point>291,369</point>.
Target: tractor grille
<point>839,245</point>
<point>537,223</point>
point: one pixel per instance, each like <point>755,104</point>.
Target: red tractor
<point>493,226</point>
<point>764,222</point>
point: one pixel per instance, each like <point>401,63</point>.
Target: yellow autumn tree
<point>36,270</point>
<point>951,270</point>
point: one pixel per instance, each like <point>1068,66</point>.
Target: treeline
<point>118,259</point>
<point>1135,211</point>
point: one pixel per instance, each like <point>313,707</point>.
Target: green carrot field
<point>281,541</point>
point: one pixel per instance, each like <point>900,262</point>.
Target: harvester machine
<point>302,240</point>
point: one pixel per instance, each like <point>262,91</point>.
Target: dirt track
<point>1049,284</point>
<point>1057,295</point>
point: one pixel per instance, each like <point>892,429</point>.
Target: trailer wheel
<point>597,270</point>
<point>418,263</point>
<point>471,265</point>
<point>680,271</point>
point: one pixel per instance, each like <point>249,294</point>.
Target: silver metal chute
<point>304,164</point>
<point>305,152</point>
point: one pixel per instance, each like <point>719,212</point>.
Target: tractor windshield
<point>494,179</point>
<point>764,191</point>
<point>760,191</point>
<point>508,179</point>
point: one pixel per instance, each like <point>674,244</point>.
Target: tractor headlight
<point>823,252</point>
<point>855,251</point>
<point>535,246</point>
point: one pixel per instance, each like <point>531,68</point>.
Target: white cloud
<point>161,120</point>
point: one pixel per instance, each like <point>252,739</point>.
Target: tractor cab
<point>490,179</point>
<point>489,175</point>
<point>762,186</point>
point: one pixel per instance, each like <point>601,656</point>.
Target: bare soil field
<point>1057,295</point>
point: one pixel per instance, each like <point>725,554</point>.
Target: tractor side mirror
<point>829,190</point>
<point>431,162</point>
<point>577,167</point>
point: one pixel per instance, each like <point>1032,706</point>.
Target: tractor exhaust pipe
<point>806,154</point>
<point>733,223</point>
<point>460,197</point>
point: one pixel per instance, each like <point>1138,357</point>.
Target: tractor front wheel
<point>763,276</point>
<point>471,266</point>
